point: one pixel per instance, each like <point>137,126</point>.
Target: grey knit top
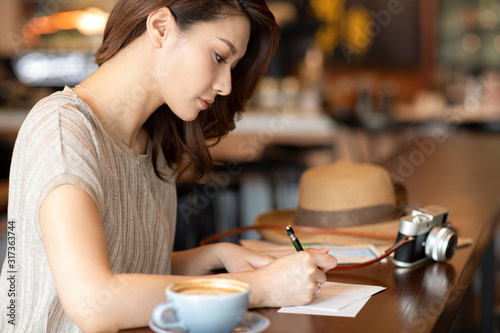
<point>63,142</point>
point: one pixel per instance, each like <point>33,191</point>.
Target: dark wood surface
<point>460,172</point>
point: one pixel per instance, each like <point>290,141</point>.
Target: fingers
<point>323,262</point>
<point>293,279</point>
<point>322,259</point>
<point>315,263</point>
<point>320,286</point>
<point>260,260</point>
<point>320,277</point>
<point>236,258</point>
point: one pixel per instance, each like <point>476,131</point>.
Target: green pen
<point>293,238</point>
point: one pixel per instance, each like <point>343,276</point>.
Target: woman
<point>92,198</point>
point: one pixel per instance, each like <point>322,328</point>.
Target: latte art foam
<point>207,291</point>
<point>209,287</point>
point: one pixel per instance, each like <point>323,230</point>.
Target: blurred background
<point>352,79</point>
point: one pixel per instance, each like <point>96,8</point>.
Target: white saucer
<point>161,330</point>
<point>251,323</point>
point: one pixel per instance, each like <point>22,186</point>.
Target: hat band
<point>346,218</point>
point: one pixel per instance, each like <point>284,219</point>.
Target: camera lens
<point>441,244</point>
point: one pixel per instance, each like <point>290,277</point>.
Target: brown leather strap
<point>236,231</point>
<point>406,239</point>
<point>393,248</point>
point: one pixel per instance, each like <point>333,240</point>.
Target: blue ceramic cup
<point>203,305</point>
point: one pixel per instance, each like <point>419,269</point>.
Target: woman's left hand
<point>236,258</point>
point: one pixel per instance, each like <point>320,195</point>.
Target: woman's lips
<point>205,103</point>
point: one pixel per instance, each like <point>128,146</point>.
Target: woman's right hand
<point>292,279</point>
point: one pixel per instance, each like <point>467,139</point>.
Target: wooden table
<point>460,172</point>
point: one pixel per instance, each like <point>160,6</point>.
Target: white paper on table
<point>349,311</point>
<point>336,299</point>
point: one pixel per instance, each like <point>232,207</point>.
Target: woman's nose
<point>222,84</point>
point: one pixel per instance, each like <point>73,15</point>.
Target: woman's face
<point>195,67</point>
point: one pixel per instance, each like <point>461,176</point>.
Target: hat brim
<point>286,217</point>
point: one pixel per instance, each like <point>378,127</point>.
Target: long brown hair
<point>180,140</point>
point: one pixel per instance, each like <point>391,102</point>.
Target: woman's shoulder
<point>61,107</point>
<point>65,100</point>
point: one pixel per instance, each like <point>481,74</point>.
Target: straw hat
<point>346,196</point>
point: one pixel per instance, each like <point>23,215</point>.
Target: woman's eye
<point>219,58</point>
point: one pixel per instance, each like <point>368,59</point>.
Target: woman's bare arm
<point>92,296</point>
<point>97,300</point>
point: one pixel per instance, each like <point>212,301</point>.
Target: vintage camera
<point>433,238</point>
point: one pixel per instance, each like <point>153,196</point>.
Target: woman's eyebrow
<point>231,46</point>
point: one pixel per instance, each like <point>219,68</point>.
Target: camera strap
<point>406,239</point>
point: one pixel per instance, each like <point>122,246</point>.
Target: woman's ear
<point>159,24</point>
